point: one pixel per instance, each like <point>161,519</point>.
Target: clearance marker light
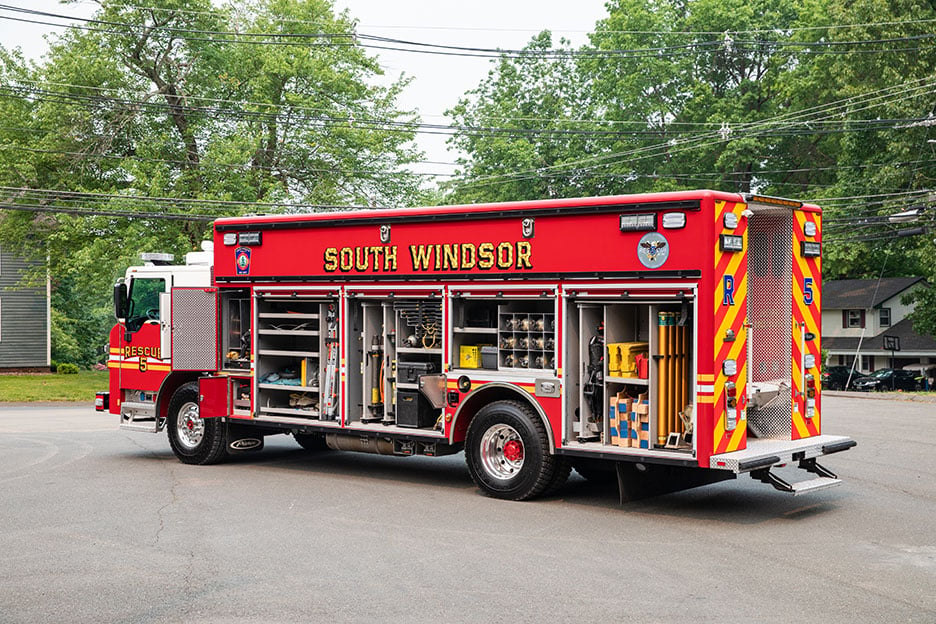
<point>731,242</point>
<point>810,250</point>
<point>674,220</point>
<point>638,222</point>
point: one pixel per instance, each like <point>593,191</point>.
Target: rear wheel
<point>507,451</point>
<point>194,440</point>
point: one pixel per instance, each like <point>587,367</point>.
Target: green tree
<point>271,102</point>
<point>522,118</point>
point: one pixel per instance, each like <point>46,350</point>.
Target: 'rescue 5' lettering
<point>129,352</point>
<point>502,256</point>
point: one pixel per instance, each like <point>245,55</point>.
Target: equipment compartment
<point>515,334</point>
<point>628,372</point>
<point>394,343</point>
<point>293,375</point>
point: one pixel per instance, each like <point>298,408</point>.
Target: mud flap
<point>241,439</point>
<point>637,480</point>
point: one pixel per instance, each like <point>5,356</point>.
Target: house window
<point>885,317</point>
<point>853,319</point>
<point>867,362</point>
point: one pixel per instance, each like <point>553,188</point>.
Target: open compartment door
<point>194,329</point>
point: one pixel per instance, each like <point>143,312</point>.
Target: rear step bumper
<point>761,454</point>
<point>826,479</point>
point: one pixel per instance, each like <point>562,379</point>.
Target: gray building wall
<point>24,318</point>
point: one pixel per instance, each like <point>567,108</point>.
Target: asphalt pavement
<point>101,525</point>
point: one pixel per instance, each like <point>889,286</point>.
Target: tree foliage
<point>813,99</point>
<point>270,102</point>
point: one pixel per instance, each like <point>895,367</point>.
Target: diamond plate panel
<point>770,310</point>
<point>194,329</point>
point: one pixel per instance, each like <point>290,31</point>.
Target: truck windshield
<point>144,301</point>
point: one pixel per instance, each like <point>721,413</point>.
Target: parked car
<point>835,377</point>
<point>888,379</point>
<point>925,373</point>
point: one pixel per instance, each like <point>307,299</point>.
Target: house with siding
<point>25,335</point>
<point>857,316</point>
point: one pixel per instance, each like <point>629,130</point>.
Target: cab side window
<point>143,304</point>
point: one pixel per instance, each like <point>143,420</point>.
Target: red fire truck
<point>670,338</point>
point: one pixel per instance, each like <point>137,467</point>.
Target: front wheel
<point>507,451</point>
<point>194,440</point>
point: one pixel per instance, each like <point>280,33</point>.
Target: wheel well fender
<point>170,384</point>
<point>486,394</point>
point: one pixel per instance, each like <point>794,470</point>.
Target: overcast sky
<point>438,81</point>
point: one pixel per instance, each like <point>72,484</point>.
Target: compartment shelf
<point>288,315</point>
<point>637,381</point>
<point>291,411</point>
<point>475,330</point>
<point>277,352</point>
<point>436,351</point>
<point>288,332</point>
<point>268,386</point>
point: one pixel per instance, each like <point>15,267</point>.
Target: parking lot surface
<point>101,525</point>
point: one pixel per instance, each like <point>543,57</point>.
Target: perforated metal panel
<point>194,329</point>
<point>770,312</point>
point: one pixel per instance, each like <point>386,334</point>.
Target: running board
<point>146,426</point>
<point>825,480</point>
<point>139,417</point>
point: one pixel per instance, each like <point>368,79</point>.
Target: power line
<point>681,145</point>
<point>449,50</point>
<point>830,27</point>
<point>408,127</point>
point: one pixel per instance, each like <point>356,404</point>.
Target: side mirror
<point>120,300</point>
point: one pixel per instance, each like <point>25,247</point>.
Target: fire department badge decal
<point>242,260</point>
<point>652,250</point>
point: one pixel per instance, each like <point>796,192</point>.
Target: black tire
<point>507,451</point>
<point>194,440</point>
<point>563,470</point>
<point>311,441</point>
<point>599,473</point>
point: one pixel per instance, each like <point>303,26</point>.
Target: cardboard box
<point>643,439</point>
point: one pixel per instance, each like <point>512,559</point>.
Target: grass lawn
<point>52,387</point>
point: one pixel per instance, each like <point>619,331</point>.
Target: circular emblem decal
<point>652,250</point>
<point>242,260</point>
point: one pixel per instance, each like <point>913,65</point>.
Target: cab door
<point>143,364</point>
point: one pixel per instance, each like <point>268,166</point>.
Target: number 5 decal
<point>808,290</point>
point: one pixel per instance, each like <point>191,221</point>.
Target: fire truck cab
<point>671,339</point>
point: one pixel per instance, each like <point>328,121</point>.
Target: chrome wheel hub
<point>190,427</point>
<point>502,452</point>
